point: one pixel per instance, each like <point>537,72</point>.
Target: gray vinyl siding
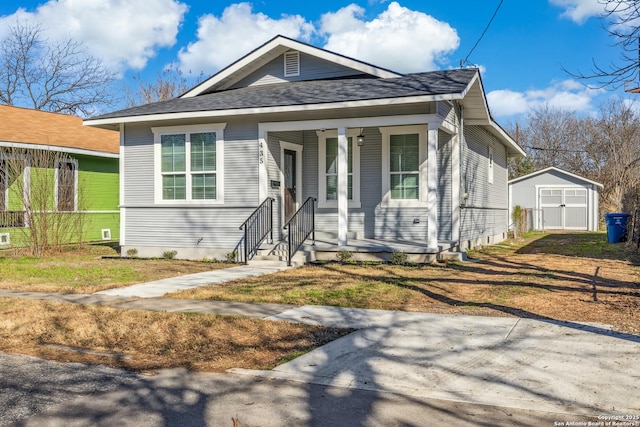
<point>485,212</point>
<point>138,166</point>
<point>311,68</point>
<point>444,186</point>
<point>190,225</point>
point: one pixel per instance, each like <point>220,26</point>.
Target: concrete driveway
<point>528,364</point>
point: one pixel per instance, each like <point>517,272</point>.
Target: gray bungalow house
<point>297,144</point>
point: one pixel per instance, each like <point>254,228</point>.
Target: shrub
<point>132,253</point>
<point>398,258</point>
<point>169,254</point>
<point>344,255</point>
<point>231,256</point>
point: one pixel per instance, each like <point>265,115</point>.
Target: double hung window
<point>404,165</point>
<point>190,164</point>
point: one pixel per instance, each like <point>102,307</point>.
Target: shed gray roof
<point>311,92</point>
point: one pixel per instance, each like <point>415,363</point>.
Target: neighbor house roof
<point>32,128</point>
<point>560,171</point>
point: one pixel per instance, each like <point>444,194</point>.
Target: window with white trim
<point>404,164</point>
<point>66,185</point>
<point>189,164</point>
<point>328,169</point>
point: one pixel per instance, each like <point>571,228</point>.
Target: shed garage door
<point>563,208</point>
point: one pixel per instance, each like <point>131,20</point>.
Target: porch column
<point>455,187</point>
<point>343,184</point>
<point>432,185</point>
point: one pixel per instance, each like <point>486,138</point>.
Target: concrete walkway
<point>174,284</point>
<point>560,367</point>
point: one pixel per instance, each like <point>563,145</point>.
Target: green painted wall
<point>98,200</point>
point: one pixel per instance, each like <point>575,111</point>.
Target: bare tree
<point>169,84</point>
<point>43,198</point>
<point>605,149</point>
<point>58,77</point>
<point>620,19</point>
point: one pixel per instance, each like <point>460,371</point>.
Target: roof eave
<point>277,109</point>
<point>57,148</point>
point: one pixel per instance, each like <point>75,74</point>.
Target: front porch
<point>328,248</point>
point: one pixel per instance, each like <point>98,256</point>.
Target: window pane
<point>173,153</point>
<point>66,186</point>
<point>203,186</point>
<point>174,187</point>
<point>350,187</point>
<point>404,153</point>
<point>332,156</point>
<point>404,186</point>
<point>332,187</point>
<point>203,151</point>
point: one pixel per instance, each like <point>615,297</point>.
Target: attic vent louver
<point>292,64</point>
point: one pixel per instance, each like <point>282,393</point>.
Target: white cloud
<point>224,39</point>
<point>122,33</point>
<point>579,10</point>
<point>399,38</point>
<point>567,95</point>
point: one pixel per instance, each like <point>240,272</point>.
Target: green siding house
<point>58,179</point>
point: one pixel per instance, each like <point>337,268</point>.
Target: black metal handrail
<point>12,219</point>
<point>257,227</point>
<point>300,226</point>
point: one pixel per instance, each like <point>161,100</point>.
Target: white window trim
<point>106,234</point>
<point>73,162</point>
<point>386,132</point>
<point>218,129</point>
<point>490,160</point>
<point>322,163</point>
<point>5,239</point>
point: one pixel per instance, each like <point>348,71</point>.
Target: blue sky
<point>521,55</point>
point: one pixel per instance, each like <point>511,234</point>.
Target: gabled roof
<point>560,171</point>
<point>370,86</point>
<point>449,84</point>
<point>38,129</point>
<point>275,47</point>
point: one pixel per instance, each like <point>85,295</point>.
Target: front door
<point>290,179</point>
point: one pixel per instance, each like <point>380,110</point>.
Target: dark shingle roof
<point>311,92</point>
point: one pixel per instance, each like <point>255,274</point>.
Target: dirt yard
<point>570,277</point>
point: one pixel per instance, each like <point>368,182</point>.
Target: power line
<point>464,61</point>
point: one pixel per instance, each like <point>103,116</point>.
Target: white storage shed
<point>556,200</point>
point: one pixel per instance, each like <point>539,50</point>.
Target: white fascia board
<point>56,148</point>
<point>552,168</point>
<point>274,45</point>
<point>269,110</point>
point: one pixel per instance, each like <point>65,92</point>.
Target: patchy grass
<point>571,277</point>
<point>116,338</point>
<point>84,269</point>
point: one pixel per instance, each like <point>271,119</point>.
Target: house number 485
<point>261,152</point>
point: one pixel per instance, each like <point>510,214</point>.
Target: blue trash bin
<point>616,227</point>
